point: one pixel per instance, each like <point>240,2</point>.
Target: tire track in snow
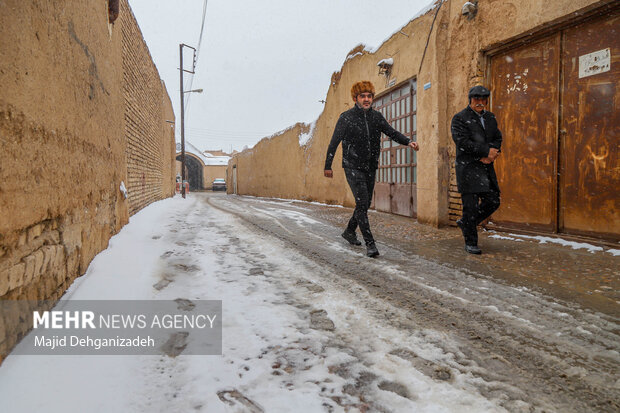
<point>544,353</point>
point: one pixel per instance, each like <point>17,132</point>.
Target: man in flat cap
<point>478,143</point>
<point>359,129</point>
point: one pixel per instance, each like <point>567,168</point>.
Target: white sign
<point>594,63</point>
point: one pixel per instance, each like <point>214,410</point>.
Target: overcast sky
<point>263,65</point>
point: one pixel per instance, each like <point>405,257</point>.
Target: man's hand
<point>493,153</point>
<point>414,145</point>
<point>328,173</point>
<point>486,160</point>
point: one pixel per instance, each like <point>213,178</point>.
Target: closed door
<point>525,98</point>
<point>590,129</point>
<point>556,101</point>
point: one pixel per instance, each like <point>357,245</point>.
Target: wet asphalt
<point>537,324</point>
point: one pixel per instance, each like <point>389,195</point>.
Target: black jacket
<point>360,133</point>
<point>472,143</point>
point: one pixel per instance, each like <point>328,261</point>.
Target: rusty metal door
<point>590,129</point>
<point>525,100</point>
<point>395,187</point>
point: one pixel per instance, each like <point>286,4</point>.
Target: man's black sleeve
<point>339,131</point>
<point>497,139</point>
<point>395,135</point>
<point>461,135</point>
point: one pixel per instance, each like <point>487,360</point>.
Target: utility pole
<point>181,70</point>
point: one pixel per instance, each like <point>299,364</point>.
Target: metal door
<point>525,96</point>
<point>566,178</point>
<point>395,187</point>
<point>590,129</point>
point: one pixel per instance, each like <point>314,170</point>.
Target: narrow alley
<point>309,320</point>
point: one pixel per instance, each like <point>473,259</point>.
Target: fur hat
<point>362,87</point>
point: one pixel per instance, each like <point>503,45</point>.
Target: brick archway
<point>194,171</point>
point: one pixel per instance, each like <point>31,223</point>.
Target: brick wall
<point>168,146</point>
<point>454,197</point>
<point>148,173</point>
<point>82,109</point>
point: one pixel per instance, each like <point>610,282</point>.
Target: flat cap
<point>479,91</point>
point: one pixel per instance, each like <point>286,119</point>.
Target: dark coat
<point>360,134</point>
<point>472,143</point>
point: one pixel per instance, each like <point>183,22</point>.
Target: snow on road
<point>312,325</point>
<point>295,337</point>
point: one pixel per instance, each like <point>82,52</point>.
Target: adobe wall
<point>168,145</point>
<point>212,172</point>
<point>150,139</point>
<point>275,167</point>
<point>63,143</point>
<point>454,61</point>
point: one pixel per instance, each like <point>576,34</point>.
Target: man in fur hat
<point>359,129</point>
<point>478,142</point>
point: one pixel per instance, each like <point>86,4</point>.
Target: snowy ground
<point>298,334</point>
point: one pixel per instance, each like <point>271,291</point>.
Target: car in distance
<point>219,184</point>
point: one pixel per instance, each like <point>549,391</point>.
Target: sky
<point>263,65</point>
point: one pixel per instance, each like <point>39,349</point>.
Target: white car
<point>219,184</point>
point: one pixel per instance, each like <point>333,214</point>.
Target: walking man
<point>478,143</point>
<point>359,129</point>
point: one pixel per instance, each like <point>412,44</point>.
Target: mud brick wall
<point>168,147</point>
<point>150,175</point>
<point>64,141</point>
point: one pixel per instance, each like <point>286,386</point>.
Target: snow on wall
<point>190,148</point>
<point>216,160</point>
<point>304,138</point>
<point>431,6</point>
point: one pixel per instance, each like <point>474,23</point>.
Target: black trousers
<point>476,208</point>
<point>362,184</point>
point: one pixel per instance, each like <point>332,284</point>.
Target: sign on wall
<point>594,63</point>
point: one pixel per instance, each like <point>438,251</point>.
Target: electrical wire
<point>195,62</point>
<point>429,35</point>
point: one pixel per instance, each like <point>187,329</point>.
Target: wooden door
<point>524,98</point>
<point>590,129</point>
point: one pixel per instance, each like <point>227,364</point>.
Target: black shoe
<point>351,238</point>
<point>473,249</point>
<point>371,250</point>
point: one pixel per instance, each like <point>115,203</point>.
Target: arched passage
<point>193,172</point>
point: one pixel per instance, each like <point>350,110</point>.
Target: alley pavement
<point>588,278</point>
<point>536,322</point>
